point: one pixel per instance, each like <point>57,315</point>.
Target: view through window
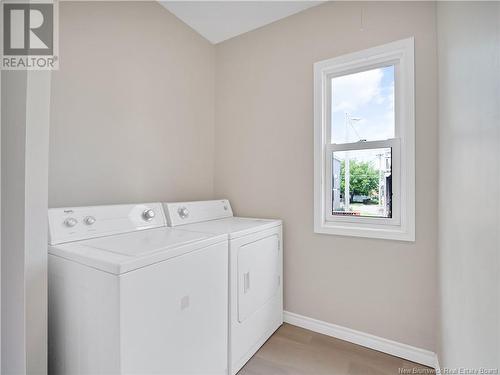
<point>362,110</point>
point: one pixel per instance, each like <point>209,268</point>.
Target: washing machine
<point>128,295</point>
<point>255,271</point>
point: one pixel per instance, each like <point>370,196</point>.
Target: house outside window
<point>364,126</point>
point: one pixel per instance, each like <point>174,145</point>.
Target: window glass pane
<point>363,106</point>
<point>365,176</point>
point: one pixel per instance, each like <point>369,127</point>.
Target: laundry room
<point>250,187</point>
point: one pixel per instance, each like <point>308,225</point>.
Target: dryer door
<point>258,274</point>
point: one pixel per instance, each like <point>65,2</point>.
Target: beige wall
<point>264,165</point>
<point>132,107</point>
<point>469,162</point>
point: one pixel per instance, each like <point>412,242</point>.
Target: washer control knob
<point>70,222</point>
<point>89,220</point>
<point>183,212</point>
<point>148,215</point>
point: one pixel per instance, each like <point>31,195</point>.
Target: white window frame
<point>401,226</point>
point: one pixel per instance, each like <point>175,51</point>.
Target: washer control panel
<point>78,223</point>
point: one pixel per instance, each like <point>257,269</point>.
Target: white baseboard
<point>408,352</point>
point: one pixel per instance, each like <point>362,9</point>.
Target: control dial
<point>183,212</point>
<point>70,222</point>
<point>148,215</point>
<point>89,220</point>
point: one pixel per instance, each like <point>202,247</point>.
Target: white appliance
<point>128,295</point>
<point>255,271</point>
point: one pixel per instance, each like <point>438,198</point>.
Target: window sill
<point>387,232</point>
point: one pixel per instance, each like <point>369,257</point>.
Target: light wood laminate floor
<point>296,351</point>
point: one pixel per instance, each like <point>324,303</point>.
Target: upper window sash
<point>339,72</point>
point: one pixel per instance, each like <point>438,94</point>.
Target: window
<point>364,125</point>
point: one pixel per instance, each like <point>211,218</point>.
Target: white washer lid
<point>233,226</point>
<point>68,224</point>
<point>122,253</point>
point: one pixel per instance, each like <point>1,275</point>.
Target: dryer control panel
<point>69,224</point>
<point>180,213</point>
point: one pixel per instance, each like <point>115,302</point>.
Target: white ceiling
<point>221,20</point>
